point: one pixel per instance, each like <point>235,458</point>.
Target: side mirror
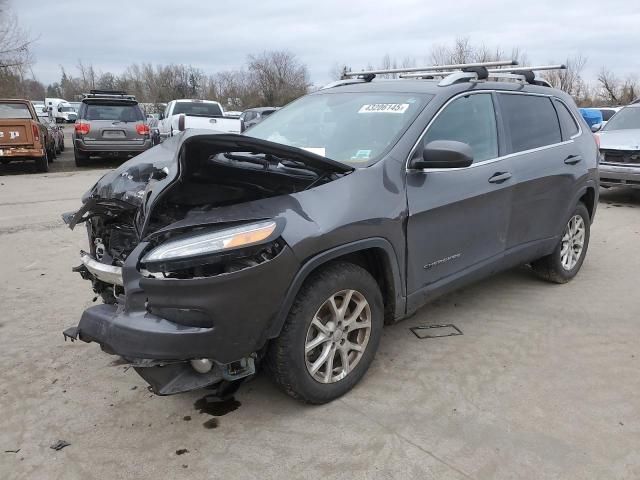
<point>596,128</point>
<point>443,154</point>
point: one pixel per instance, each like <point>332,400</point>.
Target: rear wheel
<point>42,163</point>
<point>330,336</point>
<point>565,261</point>
<point>82,159</point>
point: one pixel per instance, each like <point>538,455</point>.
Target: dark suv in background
<point>354,206</point>
<point>110,123</point>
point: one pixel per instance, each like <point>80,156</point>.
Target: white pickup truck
<point>188,113</point>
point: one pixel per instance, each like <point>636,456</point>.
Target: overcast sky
<point>219,34</point>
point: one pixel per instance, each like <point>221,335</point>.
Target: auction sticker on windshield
<point>384,108</point>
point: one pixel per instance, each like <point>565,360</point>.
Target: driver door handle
<point>573,159</point>
<point>499,177</point>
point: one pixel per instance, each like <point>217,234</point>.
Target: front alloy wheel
<point>338,336</point>
<point>330,336</point>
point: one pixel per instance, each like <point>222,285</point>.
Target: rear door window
<point>567,121</point>
<point>531,121</point>
<point>470,119</point>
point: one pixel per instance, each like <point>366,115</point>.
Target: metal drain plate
<point>436,331</point>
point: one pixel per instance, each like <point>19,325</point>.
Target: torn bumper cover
<point>161,325</point>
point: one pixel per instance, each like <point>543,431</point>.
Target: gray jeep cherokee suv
<point>350,208</point>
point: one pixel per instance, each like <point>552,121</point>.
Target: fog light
<point>201,365</point>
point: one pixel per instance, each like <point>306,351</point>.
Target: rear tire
<point>325,346</point>
<point>82,159</point>
<point>42,163</point>
<point>567,258</point>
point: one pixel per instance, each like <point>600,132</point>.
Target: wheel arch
<point>588,197</point>
<point>376,255</point>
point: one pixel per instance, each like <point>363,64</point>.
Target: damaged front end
<point>186,250</point>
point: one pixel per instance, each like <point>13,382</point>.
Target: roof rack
<point>430,68</point>
<point>109,93</point>
<point>523,74</point>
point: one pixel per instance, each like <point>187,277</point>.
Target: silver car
<point>110,124</point>
<point>620,149</point>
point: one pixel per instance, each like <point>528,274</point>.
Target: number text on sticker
<point>384,108</point>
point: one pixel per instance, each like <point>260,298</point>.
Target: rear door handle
<point>500,177</point>
<point>573,159</point>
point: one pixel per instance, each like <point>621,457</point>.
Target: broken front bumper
<point>618,175</point>
<point>160,324</point>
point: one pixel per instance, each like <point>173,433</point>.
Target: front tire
<point>567,258</point>
<point>330,336</point>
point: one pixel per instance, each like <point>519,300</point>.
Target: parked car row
<point>112,123</point>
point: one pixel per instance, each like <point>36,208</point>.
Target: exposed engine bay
<point>143,199</point>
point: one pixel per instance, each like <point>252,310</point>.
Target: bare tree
<point>463,51</point>
<point>569,80</point>
<point>15,43</point>
<point>614,91</point>
<point>279,76</point>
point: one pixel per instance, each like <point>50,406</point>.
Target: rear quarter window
<point>530,120</point>
<point>567,121</point>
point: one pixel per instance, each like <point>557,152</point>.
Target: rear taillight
<point>36,132</point>
<point>597,140</point>
<point>82,128</point>
<point>142,129</point>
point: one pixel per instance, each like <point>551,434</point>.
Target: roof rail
<point>109,93</point>
<point>523,74</point>
<point>457,66</point>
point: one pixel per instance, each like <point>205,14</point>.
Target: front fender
<point>320,259</point>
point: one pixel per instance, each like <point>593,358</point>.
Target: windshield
<point>122,113</point>
<point>197,109</point>
<point>353,128</point>
<point>14,110</point>
<point>625,119</point>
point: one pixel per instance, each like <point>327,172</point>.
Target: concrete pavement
<point>544,383</point>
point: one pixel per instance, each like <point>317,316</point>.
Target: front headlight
<point>220,241</point>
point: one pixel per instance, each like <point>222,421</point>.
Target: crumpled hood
<point>620,139</point>
<point>130,180</point>
<point>141,181</point>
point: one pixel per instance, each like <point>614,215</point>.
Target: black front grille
<point>621,156</point>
